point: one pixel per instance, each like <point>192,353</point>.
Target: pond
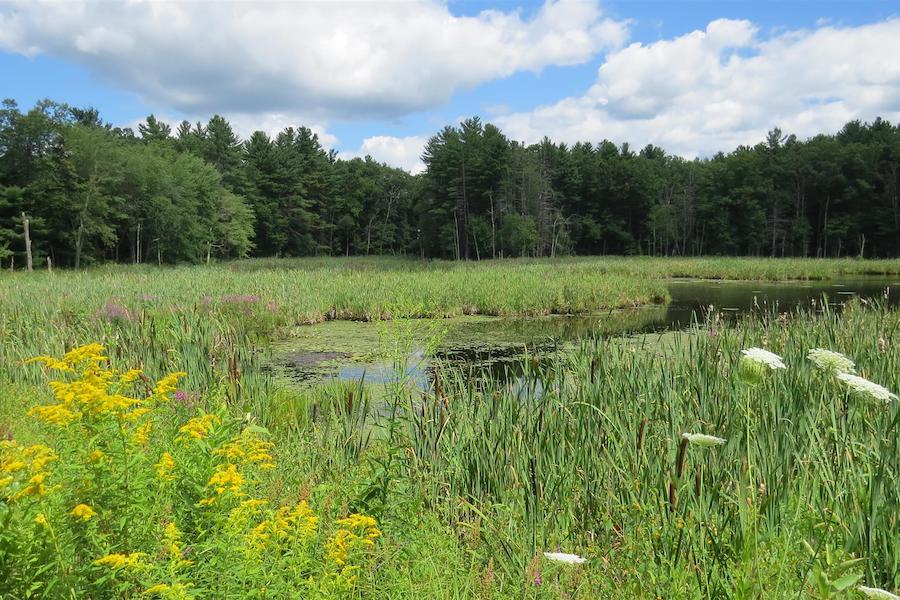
<point>359,351</point>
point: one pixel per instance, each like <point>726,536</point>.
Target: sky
<point>379,77</point>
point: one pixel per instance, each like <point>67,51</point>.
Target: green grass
<point>472,481</point>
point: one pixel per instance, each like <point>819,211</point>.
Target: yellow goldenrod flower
<point>165,466</point>
<point>298,523</point>
<point>173,547</point>
<point>176,591</point>
<point>197,428</point>
<point>365,524</point>
<point>13,465</point>
<point>41,520</point>
<point>60,415</point>
<point>142,433</point>
<point>337,548</point>
<point>248,448</point>
<point>136,414</point>
<point>83,512</point>
<point>87,353</point>
<point>40,456</point>
<point>50,363</point>
<point>34,487</point>
<point>226,478</point>
<point>96,456</point>
<point>121,561</point>
<point>130,376</point>
<point>167,384</point>
<point>240,514</point>
<point>344,541</point>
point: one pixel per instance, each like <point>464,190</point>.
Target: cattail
<point>682,455</point>
<point>640,434</point>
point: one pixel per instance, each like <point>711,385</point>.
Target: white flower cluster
<point>764,358</point>
<point>830,361</point>
<point>864,387</point>
<point>562,557</point>
<point>877,593</point>
<point>701,439</point>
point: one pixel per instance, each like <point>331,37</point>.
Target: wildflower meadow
<point>151,451</point>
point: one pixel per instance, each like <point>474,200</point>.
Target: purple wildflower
<point>186,398</point>
<point>113,312</point>
<point>240,298</point>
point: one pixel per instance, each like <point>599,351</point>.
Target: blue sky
<point>113,60</point>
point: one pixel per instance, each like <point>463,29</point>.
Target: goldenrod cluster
<point>83,512</point>
<point>103,421</point>
<point>297,523</point>
<point>174,548</point>
<point>121,561</point>
<point>165,466</point>
<point>175,591</point>
<point>357,531</point>
<point>197,428</point>
<point>225,479</point>
<point>248,448</point>
<point>23,469</point>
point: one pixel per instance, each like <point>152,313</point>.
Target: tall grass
<point>584,454</point>
<point>472,480</point>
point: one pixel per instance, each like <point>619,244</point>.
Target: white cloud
<point>403,152</point>
<point>321,59</point>
<point>715,89</point>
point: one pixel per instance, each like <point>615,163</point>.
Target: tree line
<point>92,193</point>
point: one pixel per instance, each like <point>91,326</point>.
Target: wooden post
<point>27,242</point>
<point>49,265</point>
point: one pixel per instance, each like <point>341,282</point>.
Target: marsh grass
<point>472,480</point>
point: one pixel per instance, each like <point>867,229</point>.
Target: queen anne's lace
<point>701,439</point>
<point>864,387</point>
<point>764,357</point>
<point>562,557</point>
<point>830,361</point>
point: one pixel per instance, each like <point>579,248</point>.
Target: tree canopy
<point>95,193</point>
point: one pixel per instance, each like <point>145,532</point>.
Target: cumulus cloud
<point>322,59</point>
<point>402,152</point>
<point>727,85</point>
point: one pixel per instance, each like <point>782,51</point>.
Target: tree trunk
<point>79,242</point>
<point>493,228</point>
<point>25,226</point>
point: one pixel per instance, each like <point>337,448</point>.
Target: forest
<point>94,193</point>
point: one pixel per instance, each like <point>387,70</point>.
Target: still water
<point>495,345</point>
